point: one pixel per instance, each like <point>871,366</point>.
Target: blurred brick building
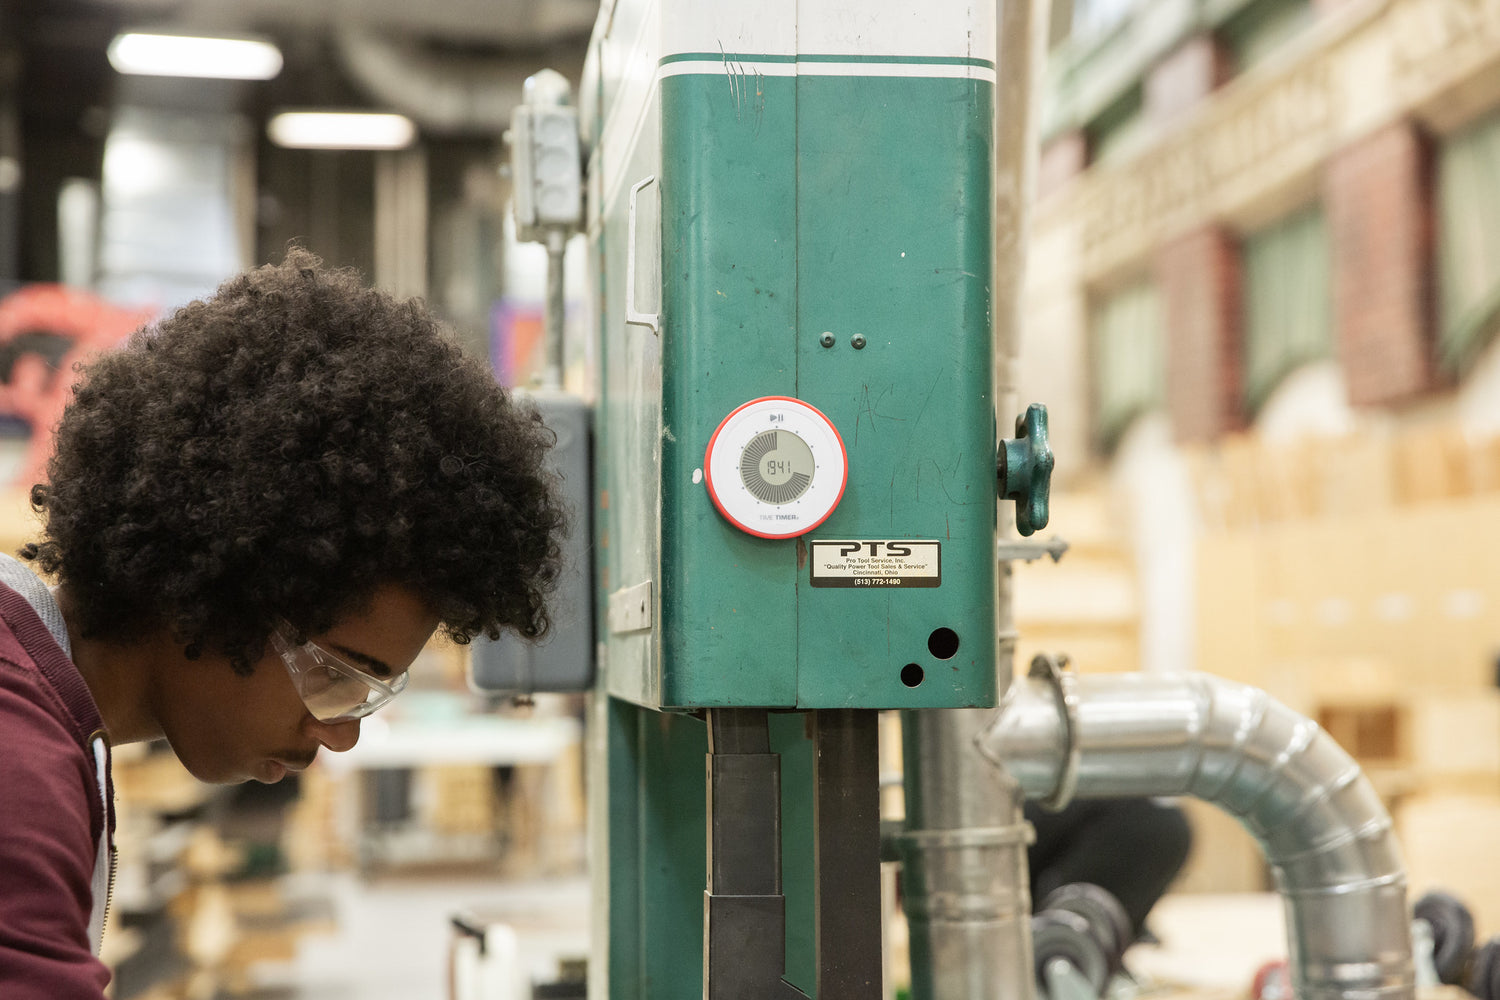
<point>1262,296</point>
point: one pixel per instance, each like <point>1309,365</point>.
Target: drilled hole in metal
<point>943,643</point>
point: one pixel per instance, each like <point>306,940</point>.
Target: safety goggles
<point>333,690</point>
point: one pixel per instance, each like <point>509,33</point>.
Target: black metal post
<point>744,911</point>
<point>847,817</point>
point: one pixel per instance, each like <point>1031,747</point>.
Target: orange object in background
<point>517,332</point>
<point>45,330</point>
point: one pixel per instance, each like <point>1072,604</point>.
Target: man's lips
<point>276,768</point>
<point>294,760</point>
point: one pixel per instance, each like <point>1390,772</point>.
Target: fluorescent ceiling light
<point>341,130</point>
<point>184,55</point>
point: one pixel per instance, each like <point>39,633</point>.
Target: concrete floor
<point>393,935</point>
<point>1211,942</point>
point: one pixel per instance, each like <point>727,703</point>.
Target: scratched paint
<point>787,203</point>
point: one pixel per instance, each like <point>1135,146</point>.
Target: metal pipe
<point>443,94</point>
<point>1324,831</point>
<point>968,902</point>
<point>557,243</point>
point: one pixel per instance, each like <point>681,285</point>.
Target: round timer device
<point>776,467</point>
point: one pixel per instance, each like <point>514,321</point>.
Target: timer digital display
<point>776,467</point>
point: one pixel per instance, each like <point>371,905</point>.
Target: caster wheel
<point>1107,918</point>
<point>1483,978</point>
<point>1061,934</point>
<point>1452,934</point>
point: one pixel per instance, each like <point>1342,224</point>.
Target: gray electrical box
<point>564,660</point>
<point>546,162</point>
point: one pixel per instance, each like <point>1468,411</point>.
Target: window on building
<point>1261,27</point>
<point>1092,18</point>
<point>1288,305</point>
<point>1117,129</point>
<point>1129,358</point>
<point>1469,242</point>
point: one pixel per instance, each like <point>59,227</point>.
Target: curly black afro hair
<point>278,451</point>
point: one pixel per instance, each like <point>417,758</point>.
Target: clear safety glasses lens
<point>332,690</point>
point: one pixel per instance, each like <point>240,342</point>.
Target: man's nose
<point>336,736</point>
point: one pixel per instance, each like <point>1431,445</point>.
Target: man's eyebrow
<point>378,667</point>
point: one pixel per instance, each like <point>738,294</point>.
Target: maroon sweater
<point>51,816</point>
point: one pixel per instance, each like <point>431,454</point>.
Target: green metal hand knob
<point>1024,469</point>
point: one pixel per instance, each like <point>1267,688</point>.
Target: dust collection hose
<point>1325,832</point>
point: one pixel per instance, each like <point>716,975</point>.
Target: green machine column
<point>894,252</point>
<point>797,208</point>
<point>791,201</point>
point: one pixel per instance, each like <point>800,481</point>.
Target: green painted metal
<point>842,58</point>
<point>657,847</point>
<point>784,208</point>
<point>657,836</point>
<point>893,244</point>
<point>729,294</point>
<point>809,207</point>
<point>1025,469</point>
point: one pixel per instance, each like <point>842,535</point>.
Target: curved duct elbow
<point>1324,830</point>
<point>444,95</point>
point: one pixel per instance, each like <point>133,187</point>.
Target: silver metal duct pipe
<point>1323,828</point>
<point>968,905</point>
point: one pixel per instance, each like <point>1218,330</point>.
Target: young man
<point>258,512</point>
